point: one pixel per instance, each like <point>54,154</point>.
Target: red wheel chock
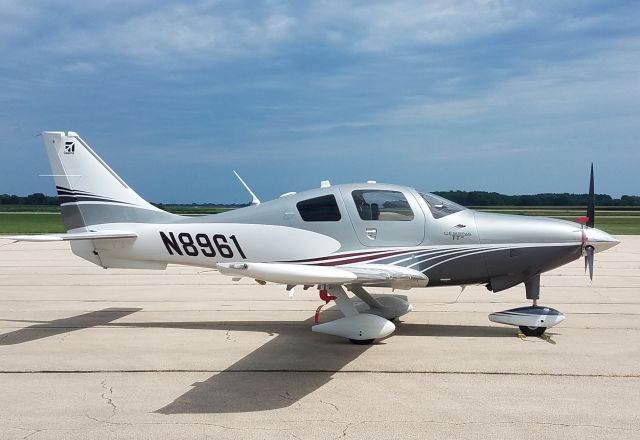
<point>324,295</point>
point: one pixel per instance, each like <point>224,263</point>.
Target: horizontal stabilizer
<point>92,235</point>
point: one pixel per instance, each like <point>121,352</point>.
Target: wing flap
<point>91,235</point>
<point>398,277</point>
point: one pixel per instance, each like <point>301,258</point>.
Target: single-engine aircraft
<point>339,238</point>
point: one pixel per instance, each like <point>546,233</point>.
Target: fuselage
<point>359,223</point>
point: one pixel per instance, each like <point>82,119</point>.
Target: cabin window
<point>319,209</point>
<point>439,206</point>
<point>382,205</point>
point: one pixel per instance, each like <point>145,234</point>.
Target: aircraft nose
<point>600,240</point>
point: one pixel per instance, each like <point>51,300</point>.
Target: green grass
<point>194,210</point>
<point>34,219</point>
<point>16,219</point>
<point>29,208</point>
<point>619,226</point>
<point>31,223</point>
<point>568,213</point>
<point>613,220</point>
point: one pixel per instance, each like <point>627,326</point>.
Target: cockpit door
<point>382,217</point>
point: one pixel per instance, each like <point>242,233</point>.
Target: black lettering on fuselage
<point>170,243</point>
<point>209,246</point>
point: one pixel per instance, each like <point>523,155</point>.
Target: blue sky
<point>515,97</point>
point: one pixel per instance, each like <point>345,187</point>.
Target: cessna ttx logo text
<point>456,232</point>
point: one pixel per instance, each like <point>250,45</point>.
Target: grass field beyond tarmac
<point>21,219</point>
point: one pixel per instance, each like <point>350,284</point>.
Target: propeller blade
<point>589,258</point>
<point>591,202</point>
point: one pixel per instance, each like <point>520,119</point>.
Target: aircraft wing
<point>299,274</point>
<point>91,235</point>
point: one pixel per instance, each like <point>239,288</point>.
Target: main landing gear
<point>364,321</point>
<point>533,320</point>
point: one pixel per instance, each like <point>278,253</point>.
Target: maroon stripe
<point>330,257</point>
<point>358,260</point>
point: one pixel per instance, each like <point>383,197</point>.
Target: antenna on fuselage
<point>254,199</point>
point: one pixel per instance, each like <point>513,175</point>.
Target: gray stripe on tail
<point>76,215</point>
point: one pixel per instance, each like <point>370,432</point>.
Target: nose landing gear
<point>532,331</point>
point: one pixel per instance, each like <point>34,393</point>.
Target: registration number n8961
<point>210,246</point>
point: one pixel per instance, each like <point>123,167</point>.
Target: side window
<point>441,207</point>
<point>382,205</point>
<point>319,209</point>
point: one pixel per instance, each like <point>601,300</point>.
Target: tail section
<point>90,192</point>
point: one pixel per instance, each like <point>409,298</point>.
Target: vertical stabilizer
<point>90,192</point>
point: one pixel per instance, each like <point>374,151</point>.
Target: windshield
<point>441,207</point>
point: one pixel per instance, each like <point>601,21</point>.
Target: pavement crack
<point>344,431</point>
<point>107,396</point>
<point>34,432</point>
<point>331,404</point>
<point>503,422</point>
<point>194,423</point>
<point>576,425</point>
<point>228,336</point>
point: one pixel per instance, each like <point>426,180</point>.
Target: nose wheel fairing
<point>530,317</point>
<point>532,320</point>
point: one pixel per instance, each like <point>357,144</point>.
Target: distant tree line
<point>484,198</point>
<point>465,198</point>
<point>31,199</point>
<point>43,199</point>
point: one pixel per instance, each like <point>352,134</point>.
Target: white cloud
<point>199,31</point>
<point>384,26</point>
<point>478,152</point>
<point>322,128</point>
<point>144,31</point>
<point>81,67</point>
<point>573,88</point>
<point>150,31</point>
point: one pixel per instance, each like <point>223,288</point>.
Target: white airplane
<point>340,238</point>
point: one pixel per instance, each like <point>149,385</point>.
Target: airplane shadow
<point>276,375</point>
<point>65,325</point>
<point>288,367</point>
<point>450,331</point>
<point>292,365</point>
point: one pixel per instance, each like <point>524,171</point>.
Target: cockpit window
<point>319,209</point>
<point>382,205</point>
<point>439,206</point>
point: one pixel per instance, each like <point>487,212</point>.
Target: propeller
<point>588,261</point>
<point>589,222</point>
<point>591,202</point>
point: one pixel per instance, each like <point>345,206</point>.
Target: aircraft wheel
<point>532,331</point>
<point>362,341</point>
